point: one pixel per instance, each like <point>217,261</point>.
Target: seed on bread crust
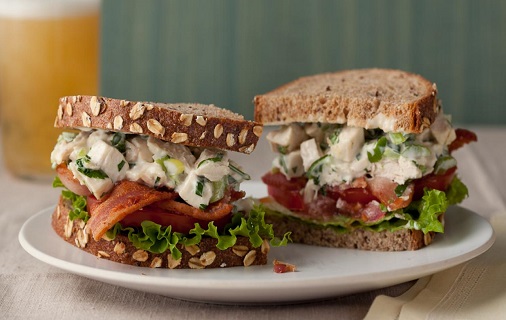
<point>201,120</point>
<point>136,128</point>
<point>248,149</point>
<point>140,255</point>
<point>59,113</point>
<point>86,119</point>
<point>257,130</point>
<point>186,119</point>
<point>265,247</point>
<point>250,258</point>
<point>230,139</point>
<point>119,248</point>
<point>103,254</point>
<point>242,136</point>
<point>179,137</point>
<point>156,263</point>
<point>218,130</point>
<point>240,250</point>
<point>68,109</point>
<point>172,263</point>
<point>118,123</point>
<point>95,106</point>
<point>155,127</point>
<point>137,111</point>
<point>207,258</point>
<point>193,249</point>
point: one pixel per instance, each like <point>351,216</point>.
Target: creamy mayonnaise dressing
<point>99,159</point>
<point>332,154</point>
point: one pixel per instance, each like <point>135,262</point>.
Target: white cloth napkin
<point>473,290</point>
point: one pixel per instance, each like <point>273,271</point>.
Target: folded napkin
<point>473,290</point>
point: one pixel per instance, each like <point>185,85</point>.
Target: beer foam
<point>47,9</point>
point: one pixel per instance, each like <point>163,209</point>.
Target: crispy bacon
<point>126,198</point>
<point>214,211</point>
<point>463,137</point>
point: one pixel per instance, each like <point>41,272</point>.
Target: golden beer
<point>46,53</point>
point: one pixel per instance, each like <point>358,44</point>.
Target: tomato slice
<point>67,178</point>
<point>463,137</point>
<point>351,195</point>
<point>384,189</point>
<point>290,199</point>
<point>439,182</point>
<point>279,181</point>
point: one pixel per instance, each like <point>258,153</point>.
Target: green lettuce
<point>154,238</point>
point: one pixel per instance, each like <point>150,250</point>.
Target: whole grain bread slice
<point>318,235</point>
<point>196,125</point>
<point>203,255</point>
<point>391,100</point>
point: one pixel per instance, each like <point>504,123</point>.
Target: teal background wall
<point>226,51</point>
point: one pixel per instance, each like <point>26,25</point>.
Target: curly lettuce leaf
<point>430,207</point>
<point>154,238</point>
<point>78,210</point>
<point>457,191</point>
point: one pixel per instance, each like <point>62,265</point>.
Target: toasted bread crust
<point>391,100</point>
<point>203,255</point>
<point>189,124</point>
<point>400,240</point>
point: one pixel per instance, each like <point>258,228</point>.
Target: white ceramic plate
<point>321,272</point>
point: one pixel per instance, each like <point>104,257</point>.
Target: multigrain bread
<point>391,100</point>
<point>189,124</point>
<point>318,235</point>
<point>203,255</point>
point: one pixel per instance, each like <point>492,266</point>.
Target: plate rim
<point>159,283</point>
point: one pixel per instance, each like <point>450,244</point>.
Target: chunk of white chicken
<point>291,164</point>
<point>195,190</point>
<point>109,160</point>
<point>287,138</point>
<point>161,149</point>
<point>137,151</point>
<point>212,164</point>
<point>97,186</point>
<point>348,144</point>
<point>310,152</point>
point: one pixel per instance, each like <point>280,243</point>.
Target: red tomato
<point>290,199</point>
<point>463,136</point>
<point>67,178</point>
<point>434,181</point>
<point>384,190</point>
<point>179,223</point>
<point>352,195</point>
<point>280,181</point>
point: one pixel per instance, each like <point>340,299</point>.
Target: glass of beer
<point>49,49</point>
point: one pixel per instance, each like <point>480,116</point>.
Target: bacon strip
<point>126,198</point>
<point>213,212</point>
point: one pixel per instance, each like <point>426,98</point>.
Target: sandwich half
<point>151,184</point>
<point>363,159</point>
